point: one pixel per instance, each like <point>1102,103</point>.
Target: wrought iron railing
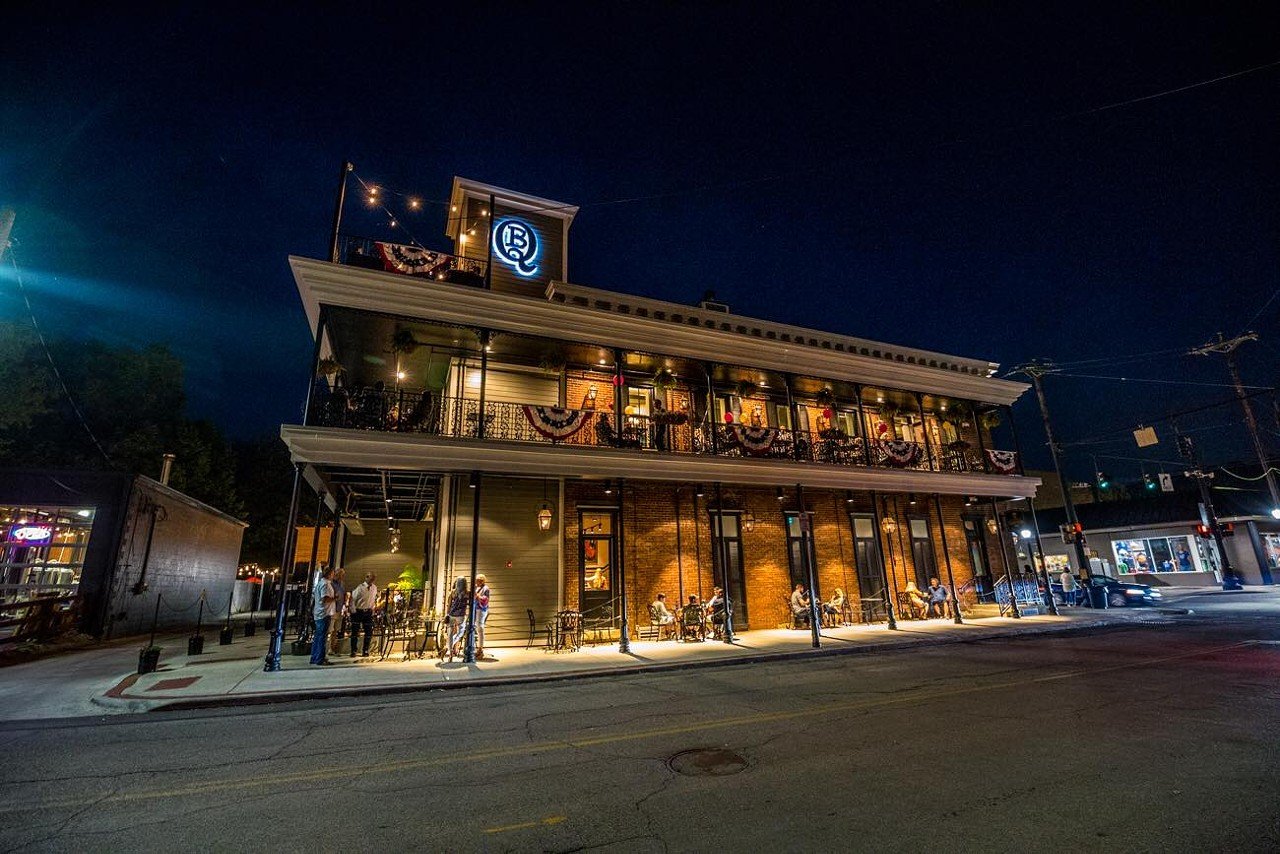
<point>410,260</point>
<point>407,411</point>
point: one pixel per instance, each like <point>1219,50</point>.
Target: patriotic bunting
<point>416,261</point>
<point>1005,462</point>
<point>556,423</point>
<point>899,453</point>
<point>753,440</point>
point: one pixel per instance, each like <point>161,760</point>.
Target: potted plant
<point>664,379</point>
<point>991,419</point>
<point>826,398</point>
<point>329,367</point>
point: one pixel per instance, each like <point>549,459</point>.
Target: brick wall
<point>653,564</point>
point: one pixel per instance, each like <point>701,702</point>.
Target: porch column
<point>934,462</point>
<point>946,556</point>
<point>866,430</point>
<point>484,370</point>
<point>806,538</point>
<point>1259,553</point>
<point>624,640</point>
<point>982,444</point>
<point>722,554</point>
<point>679,552</point>
<point>618,406</point>
<point>272,664</point>
<point>1004,560</point>
<point>884,573</point>
<point>707,367</point>
<point>795,419</point>
<point>469,648</point>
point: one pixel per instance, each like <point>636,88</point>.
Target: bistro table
<point>566,631</point>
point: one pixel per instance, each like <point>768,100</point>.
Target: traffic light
<point>1104,482</point>
<point>1204,532</point>
<point>1227,529</point>
<point>1187,448</point>
<point>1148,483</point>
<point>1070,532</point>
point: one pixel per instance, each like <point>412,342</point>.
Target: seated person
<point>691,617</point>
<point>937,599</point>
<point>800,605</point>
<point>659,613</point>
<point>833,610</point>
<point>715,608</point>
<point>915,600</point>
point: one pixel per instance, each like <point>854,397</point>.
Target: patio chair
<point>691,624</point>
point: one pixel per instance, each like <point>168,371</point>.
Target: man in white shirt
<point>322,611</point>
<point>363,600</point>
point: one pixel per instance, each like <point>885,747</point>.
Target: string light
<point>393,223</point>
<point>414,204</point>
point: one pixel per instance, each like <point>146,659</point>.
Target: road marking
<point>546,822</point>
<point>344,771</point>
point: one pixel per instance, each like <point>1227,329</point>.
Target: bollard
<point>149,655</point>
<point>195,643</point>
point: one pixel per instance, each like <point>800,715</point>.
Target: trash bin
<point>1097,596</point>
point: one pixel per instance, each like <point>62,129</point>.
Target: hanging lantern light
<point>544,517</point>
<point>749,521</point>
<point>992,527</point>
<point>889,525</point>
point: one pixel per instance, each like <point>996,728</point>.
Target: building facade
<point>613,447</point>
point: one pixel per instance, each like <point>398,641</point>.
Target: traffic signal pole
<point>1230,580</point>
<point>1035,371</point>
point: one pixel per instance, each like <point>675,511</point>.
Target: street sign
<point>1166,482</point>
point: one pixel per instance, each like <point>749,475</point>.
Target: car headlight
<point>1154,594</point>
<point>1133,593</point>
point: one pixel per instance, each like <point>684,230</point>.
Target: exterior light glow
<point>544,517</point>
<point>414,204</point>
<point>749,521</point>
<point>1025,533</point>
<point>400,375</point>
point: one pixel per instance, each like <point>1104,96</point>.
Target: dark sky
<point>916,174</point>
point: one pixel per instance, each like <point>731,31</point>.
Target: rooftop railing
<point>410,260</point>
<point>406,411</point>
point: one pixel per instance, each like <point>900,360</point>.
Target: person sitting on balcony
<point>937,599</point>
<point>800,606</point>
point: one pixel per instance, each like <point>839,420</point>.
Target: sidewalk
<point>104,680</point>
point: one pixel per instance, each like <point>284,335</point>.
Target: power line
<point>1159,382</point>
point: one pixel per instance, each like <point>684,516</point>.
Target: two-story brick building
<point>605,437</point>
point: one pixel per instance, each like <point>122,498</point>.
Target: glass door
<point>976,544</point>
<point>737,578</point>
<point>866,555</point>
<point>922,551</point>
<point>597,577</point>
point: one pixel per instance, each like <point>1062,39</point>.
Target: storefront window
<point>1271,545</point>
<point>42,549</point>
<point>1154,555</point>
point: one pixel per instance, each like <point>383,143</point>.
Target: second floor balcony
<point>377,408</point>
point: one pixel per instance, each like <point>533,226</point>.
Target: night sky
<point>918,175</point>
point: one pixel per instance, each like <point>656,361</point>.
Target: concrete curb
<point>224,701</point>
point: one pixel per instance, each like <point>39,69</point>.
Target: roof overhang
<point>321,282</point>
<point>465,188</point>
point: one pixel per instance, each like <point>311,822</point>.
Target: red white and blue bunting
<point>753,440</point>
<point>416,261</point>
<point>899,453</point>
<point>1004,462</point>
<point>556,423</point>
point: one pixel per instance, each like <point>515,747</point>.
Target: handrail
<point>424,411</point>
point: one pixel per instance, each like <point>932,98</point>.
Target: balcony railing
<point>410,260</point>
<point>401,411</point>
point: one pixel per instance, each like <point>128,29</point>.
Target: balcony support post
<point>618,405</point>
<point>806,563</point>
<point>794,415</point>
<point>884,570</point>
<point>982,443</point>
<point>934,461</point>
<point>272,663</point>
<point>722,558</point>
<point>469,645</point>
<point>307,402</point>
<point>1014,610</point>
<point>946,557</point>
<point>712,425</point>
<point>624,629</point>
<point>863,425</point>
<point>484,370</point>
<point>488,241</point>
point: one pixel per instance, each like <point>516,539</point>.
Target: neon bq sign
<point>516,244</point>
<point>31,535</point>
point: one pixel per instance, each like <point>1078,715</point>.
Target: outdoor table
<point>567,632</point>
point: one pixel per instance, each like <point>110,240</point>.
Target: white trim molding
<point>415,452</point>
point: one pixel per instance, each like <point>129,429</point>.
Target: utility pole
<point>1034,371</point>
<point>1228,348</point>
<point>1230,581</point>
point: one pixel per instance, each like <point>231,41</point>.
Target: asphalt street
<point>1155,737</point>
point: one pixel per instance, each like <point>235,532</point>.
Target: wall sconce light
<point>474,482</point>
<point>699,491</point>
<point>848,496</point>
<point>778,494</point>
<point>911,499</point>
<point>749,521</point>
<point>608,487</point>
<point>889,525</point>
<point>992,527</point>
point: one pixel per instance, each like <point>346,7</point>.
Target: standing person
<point>363,600</point>
<point>459,602</point>
<point>322,610</point>
<point>937,599</point>
<point>482,611</point>
<point>1070,590</point>
<point>339,607</point>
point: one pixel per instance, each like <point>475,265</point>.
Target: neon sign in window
<point>515,244</point>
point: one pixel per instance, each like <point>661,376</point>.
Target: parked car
<point>1120,594</point>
